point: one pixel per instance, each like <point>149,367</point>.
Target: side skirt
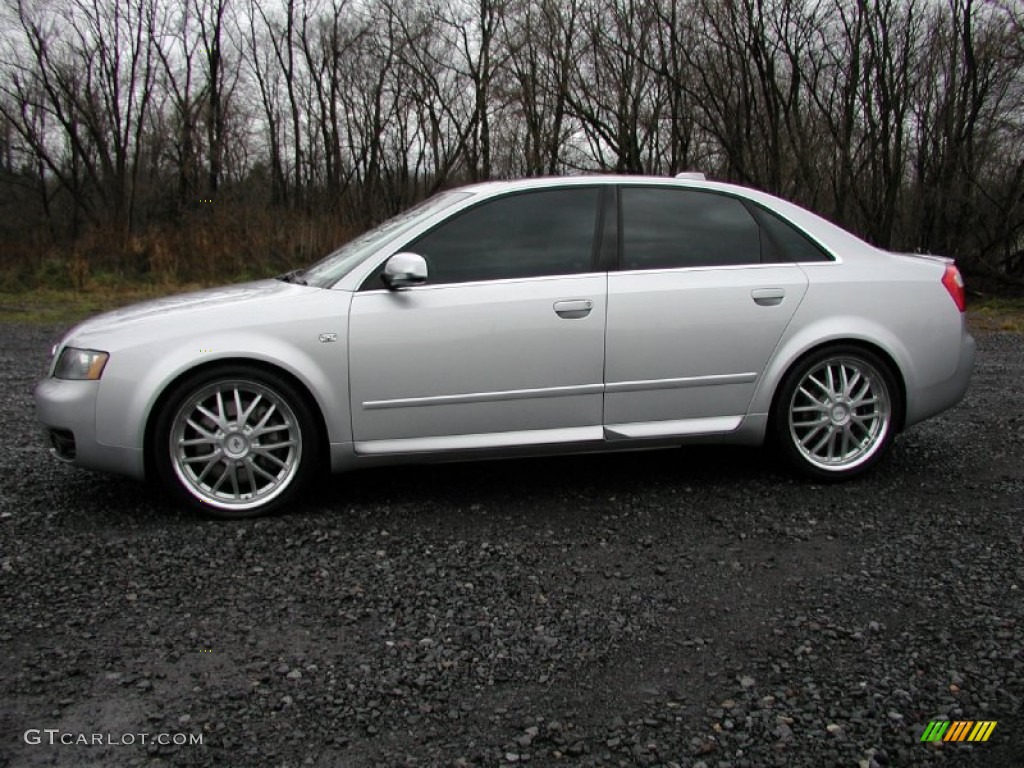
<point>731,430</point>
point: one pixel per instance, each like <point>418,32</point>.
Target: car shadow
<point>539,480</point>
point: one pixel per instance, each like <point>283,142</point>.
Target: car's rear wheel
<point>235,442</point>
<point>837,412</point>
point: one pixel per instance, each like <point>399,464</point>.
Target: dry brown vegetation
<point>200,140</point>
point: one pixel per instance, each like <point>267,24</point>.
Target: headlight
<point>80,364</point>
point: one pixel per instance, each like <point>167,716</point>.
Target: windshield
<point>333,267</point>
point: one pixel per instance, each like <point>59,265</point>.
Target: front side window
<point>665,228</point>
<point>530,234</point>
<point>332,268</point>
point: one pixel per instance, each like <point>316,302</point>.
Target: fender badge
<point>326,338</point>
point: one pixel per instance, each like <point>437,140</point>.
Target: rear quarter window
<point>783,242</point>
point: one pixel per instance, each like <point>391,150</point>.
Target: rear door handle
<point>573,308</point>
<point>768,297</point>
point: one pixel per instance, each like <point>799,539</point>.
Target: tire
<point>836,413</point>
<point>235,442</point>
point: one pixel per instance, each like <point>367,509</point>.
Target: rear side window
<point>785,243</point>
<point>666,228</point>
<point>547,232</point>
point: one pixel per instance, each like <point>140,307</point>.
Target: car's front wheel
<point>235,442</point>
<point>837,412</point>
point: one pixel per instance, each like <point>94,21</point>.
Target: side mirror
<point>404,270</point>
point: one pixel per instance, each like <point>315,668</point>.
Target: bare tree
<point>92,72</point>
<point>280,34</point>
<point>542,40</point>
<point>901,119</point>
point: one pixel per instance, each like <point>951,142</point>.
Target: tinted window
<point>335,266</point>
<point>666,228</point>
<point>549,232</point>
<point>786,242</point>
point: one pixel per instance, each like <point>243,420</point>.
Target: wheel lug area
<point>236,446</point>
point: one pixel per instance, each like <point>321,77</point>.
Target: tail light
<point>954,283</point>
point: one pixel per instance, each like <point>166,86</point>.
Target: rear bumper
<point>67,409</point>
<point>928,401</point>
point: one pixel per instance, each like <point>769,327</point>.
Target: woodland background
<point>202,140</point>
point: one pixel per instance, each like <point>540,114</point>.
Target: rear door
<point>694,314</point>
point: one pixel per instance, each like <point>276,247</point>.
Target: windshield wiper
<point>292,277</point>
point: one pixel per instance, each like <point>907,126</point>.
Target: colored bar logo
<point>959,730</point>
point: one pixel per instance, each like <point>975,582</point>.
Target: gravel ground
<point>679,608</point>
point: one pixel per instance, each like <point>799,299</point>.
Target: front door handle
<point>573,308</point>
<point>768,297</point>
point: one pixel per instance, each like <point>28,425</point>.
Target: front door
<point>504,344</point>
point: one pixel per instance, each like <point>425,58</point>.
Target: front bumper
<point>67,409</point>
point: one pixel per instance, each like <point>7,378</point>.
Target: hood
<point>242,297</point>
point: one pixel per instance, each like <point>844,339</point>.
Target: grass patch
<point>65,306</point>
<point>997,314</point>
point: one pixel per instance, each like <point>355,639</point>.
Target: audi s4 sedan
<point>526,317</point>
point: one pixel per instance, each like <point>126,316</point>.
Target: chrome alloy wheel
<point>235,444</point>
<point>840,413</point>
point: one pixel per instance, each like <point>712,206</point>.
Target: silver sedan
<point>538,316</point>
